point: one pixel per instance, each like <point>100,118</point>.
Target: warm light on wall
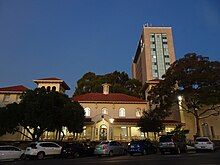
<point>111,120</point>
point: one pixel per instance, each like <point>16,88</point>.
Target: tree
<point>120,83</point>
<point>179,132</point>
<point>197,81</point>
<point>41,111</point>
<point>150,121</point>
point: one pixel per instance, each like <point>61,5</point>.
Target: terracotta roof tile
<point>18,88</point>
<point>117,97</point>
<point>49,78</point>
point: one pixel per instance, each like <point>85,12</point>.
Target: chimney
<point>106,88</point>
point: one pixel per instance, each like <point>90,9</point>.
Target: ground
<point>204,158</point>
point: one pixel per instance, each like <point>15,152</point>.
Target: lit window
<point>138,112</point>
<point>104,111</point>
<point>6,97</point>
<point>121,112</point>
<point>87,111</point>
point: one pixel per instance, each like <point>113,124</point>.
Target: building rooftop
<point>111,97</point>
<point>13,89</point>
<point>53,80</point>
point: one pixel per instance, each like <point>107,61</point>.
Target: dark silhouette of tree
<point>197,80</point>
<point>151,121</point>
<point>120,83</point>
<point>40,111</point>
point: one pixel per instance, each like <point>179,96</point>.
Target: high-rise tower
<point>154,53</point>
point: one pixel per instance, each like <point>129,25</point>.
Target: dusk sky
<point>67,38</point>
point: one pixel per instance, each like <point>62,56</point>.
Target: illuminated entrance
<point>103,132</point>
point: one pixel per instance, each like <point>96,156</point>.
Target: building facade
<point>153,56</point>
<point>114,116</point>
<point>154,53</point>
<point>10,95</point>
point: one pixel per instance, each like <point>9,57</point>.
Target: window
<point>138,112</point>
<point>87,111</point>
<point>167,63</point>
<point>104,111</point>
<point>166,56</point>
<point>6,97</point>
<point>48,89</point>
<point>153,42</point>
<point>121,112</point>
<point>54,88</point>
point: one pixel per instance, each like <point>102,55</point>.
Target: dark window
<point>54,88</point>
<point>113,143</point>
<point>3,149</point>
<point>44,145</point>
<point>48,145</point>
<point>166,56</point>
<point>104,142</point>
<point>166,139</point>
<point>164,42</point>
<point>32,145</point>
<point>13,149</point>
<point>202,140</point>
<point>48,89</point>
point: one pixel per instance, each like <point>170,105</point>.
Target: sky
<point>67,38</point>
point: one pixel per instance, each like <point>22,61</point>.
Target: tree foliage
<point>120,83</point>
<point>179,132</point>
<point>41,111</point>
<point>151,121</point>
<point>197,80</point>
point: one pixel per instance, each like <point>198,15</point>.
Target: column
<point>129,128</point>
<point>127,131</point>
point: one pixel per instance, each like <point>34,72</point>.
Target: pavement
<point>203,158</point>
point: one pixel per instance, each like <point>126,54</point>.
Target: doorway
<point>103,132</point>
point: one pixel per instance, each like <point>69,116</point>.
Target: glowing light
<point>180,98</point>
<point>111,120</point>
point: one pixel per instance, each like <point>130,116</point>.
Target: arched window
<point>48,89</point>
<point>138,112</point>
<point>87,111</point>
<point>104,111</point>
<point>121,112</point>
<point>54,88</point>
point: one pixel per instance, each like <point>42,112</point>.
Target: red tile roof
<point>50,78</point>
<point>100,97</point>
<point>18,88</point>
